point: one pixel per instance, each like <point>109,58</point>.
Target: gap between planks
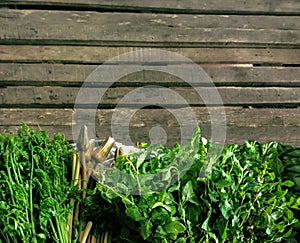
<point>269,7</point>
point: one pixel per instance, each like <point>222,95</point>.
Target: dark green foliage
<point>251,194</point>
<point>34,187</point>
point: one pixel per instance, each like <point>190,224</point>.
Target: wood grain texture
<point>146,29</point>
<point>48,48</point>
<point>235,116</point>
<point>190,6</point>
<point>174,96</point>
<point>282,125</point>
<point>74,75</point>
<point>288,136</point>
<point>99,55</point>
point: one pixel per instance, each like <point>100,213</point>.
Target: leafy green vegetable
<point>249,194</point>
<point>34,187</point>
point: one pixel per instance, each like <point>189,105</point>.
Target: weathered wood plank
<point>65,96</point>
<point>286,135</point>
<point>75,75</point>
<point>256,6</point>
<point>98,55</point>
<point>162,29</point>
<point>235,116</point>
<point>282,125</point>
<point>32,116</point>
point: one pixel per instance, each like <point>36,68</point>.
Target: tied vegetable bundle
<point>250,193</point>
<point>35,187</point>
<point>40,190</point>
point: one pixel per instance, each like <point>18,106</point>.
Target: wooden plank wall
<point>250,49</point>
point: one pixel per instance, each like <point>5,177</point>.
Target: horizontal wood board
<point>147,96</point>
<point>99,55</point>
<point>73,27</point>
<point>186,6</point>
<point>22,74</point>
<point>264,124</point>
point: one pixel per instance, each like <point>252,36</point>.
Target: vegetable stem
<point>31,198</point>
<point>93,240</point>
<point>86,232</point>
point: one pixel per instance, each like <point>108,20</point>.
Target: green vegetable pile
<point>192,193</point>
<point>34,187</point>
<point>251,193</point>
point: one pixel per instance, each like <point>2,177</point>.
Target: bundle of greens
<point>250,193</point>
<point>34,187</point>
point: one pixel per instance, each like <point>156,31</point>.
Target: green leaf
<point>172,236</point>
<point>160,215</point>
<point>146,229</point>
<point>288,233</point>
<point>123,188</point>
<point>181,240</point>
<point>295,168</point>
<point>213,236</point>
<point>205,224</point>
<point>226,208</point>
<point>235,221</point>
<point>169,208</point>
<point>226,182</point>
<point>160,232</point>
<point>42,236</point>
<point>289,214</point>
<point>192,214</point>
<point>296,179</point>
<point>281,226</point>
<point>188,194</point>
<point>174,227</point>
<point>157,204</point>
<point>295,153</point>
<point>224,229</point>
<point>287,183</point>
<point>134,214</point>
<point>213,196</point>
<point>140,160</point>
